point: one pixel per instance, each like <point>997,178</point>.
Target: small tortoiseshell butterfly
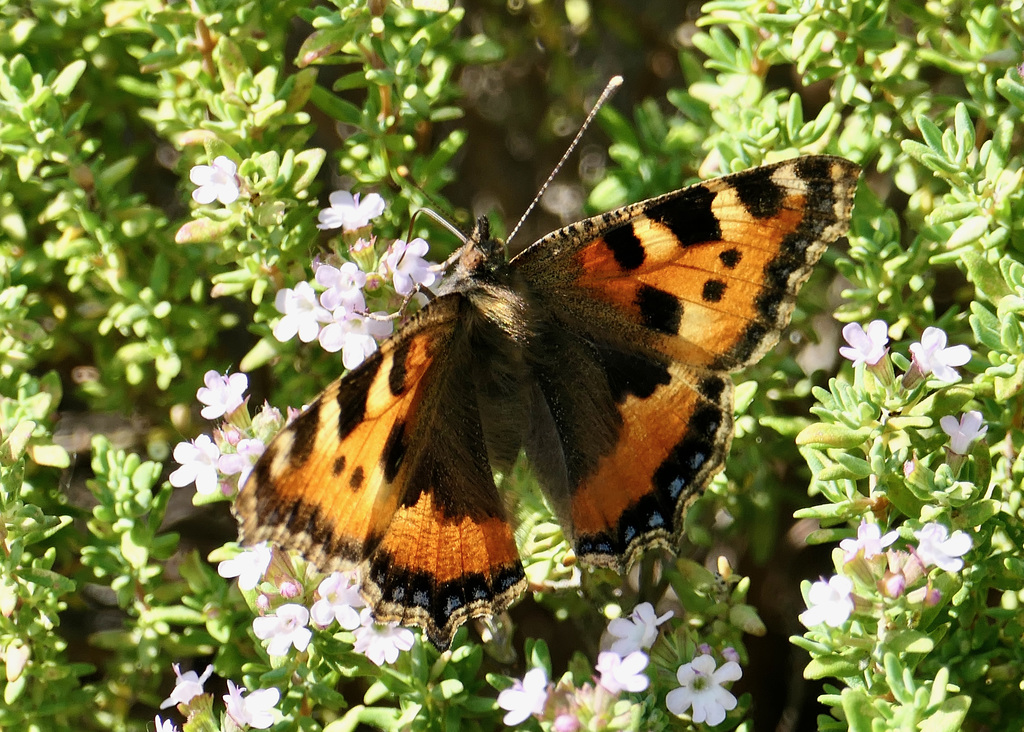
<point>603,350</point>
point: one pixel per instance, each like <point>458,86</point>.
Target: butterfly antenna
<point>613,84</point>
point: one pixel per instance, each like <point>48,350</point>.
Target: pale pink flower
<point>198,464</point>
<point>869,540</point>
<point>638,631</point>
<point>255,710</point>
<point>348,213</point>
<point>865,346</point>
<point>620,674</point>
<point>829,602</point>
<point>187,686</point>
<point>700,688</point>
<point>222,394</point>
<point>218,181</point>
<point>933,357</point>
<point>302,313</point>
<point>525,698</point>
<point>284,629</point>
<point>961,434</point>
<point>936,547</point>
<point>354,334</point>
<point>344,286</point>
<point>381,643</point>
<point>249,566</point>
<point>408,267</point>
<point>241,462</point>
<point>339,600</point>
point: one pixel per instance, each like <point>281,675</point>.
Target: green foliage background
<point>117,293</point>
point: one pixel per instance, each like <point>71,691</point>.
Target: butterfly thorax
<point>483,276</point>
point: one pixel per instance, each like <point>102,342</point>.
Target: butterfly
<point>603,351</point>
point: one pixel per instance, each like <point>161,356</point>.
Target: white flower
<point>218,181</point>
<point>354,334</point>
<point>339,600</point>
<point>638,631</point>
<point>937,547</point>
<point>348,213</point>
<point>249,566</point>
<point>381,643</point>
<point>198,461</point>
<point>865,346</point>
<point>869,540</point>
<point>187,686</point>
<point>622,674</point>
<point>700,687</point>
<point>932,356</point>
<point>829,602</point>
<point>963,433</point>
<point>254,710</point>
<point>164,725</point>
<point>302,313</point>
<point>344,286</point>
<point>408,267</point>
<point>525,698</point>
<point>242,461</point>
<point>222,394</point>
<point>284,629</point>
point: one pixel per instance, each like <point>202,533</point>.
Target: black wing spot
<point>355,481</point>
<point>394,452</point>
<point>660,310</point>
<point>352,394</point>
<point>630,374</point>
<point>339,465</point>
<point>689,216</point>
<point>760,195</point>
<point>397,375</point>
<point>730,257</point>
<point>713,291</point>
<point>711,387</point>
<point>305,428</point>
<point>625,247</point>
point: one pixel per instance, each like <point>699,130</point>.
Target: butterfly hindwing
<point>359,480</point>
<point>620,465</point>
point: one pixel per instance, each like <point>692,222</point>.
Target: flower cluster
<point>219,465</point>
<point>255,710</point>
<point>335,308</point>
<point>930,357</point>
<point>596,704</point>
<point>870,574</point>
<point>284,624</point>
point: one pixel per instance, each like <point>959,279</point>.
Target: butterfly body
<point>602,351</point>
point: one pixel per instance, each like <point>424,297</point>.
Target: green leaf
<point>832,665</point>
<point>949,717</point>
<point>833,435</point>
<point>66,80</point>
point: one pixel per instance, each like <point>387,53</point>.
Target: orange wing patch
<point>672,441</point>
<point>322,486</point>
<point>357,481</point>
<point>437,570</point>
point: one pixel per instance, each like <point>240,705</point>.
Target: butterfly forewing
<point>706,275</point>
